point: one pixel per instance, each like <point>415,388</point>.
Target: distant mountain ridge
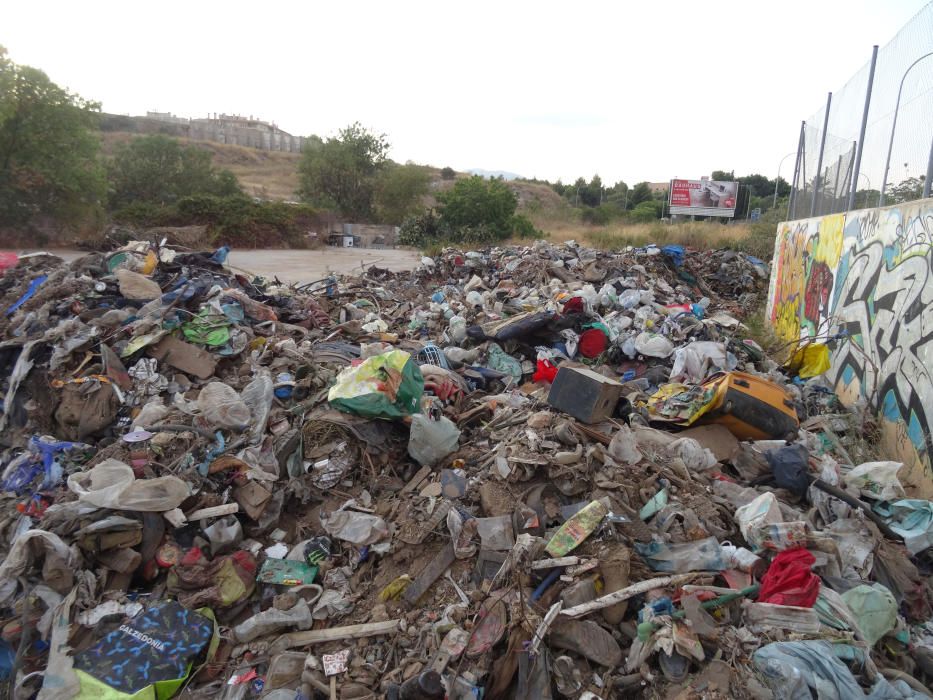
<point>504,174</point>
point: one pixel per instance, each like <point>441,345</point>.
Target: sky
<point>631,91</point>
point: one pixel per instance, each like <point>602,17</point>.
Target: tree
<point>161,170</point>
<point>618,195</point>
<point>591,194</point>
<point>48,148</point>
<point>723,176</point>
<point>448,173</point>
<point>906,190</point>
<point>646,211</point>
<point>476,202</point>
<point>475,210</point>
<point>341,172</point>
<point>640,193</point>
<point>759,185</point>
<point>399,190</point>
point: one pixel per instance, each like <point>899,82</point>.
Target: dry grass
<point>694,234</point>
<point>549,212</point>
<point>266,174</point>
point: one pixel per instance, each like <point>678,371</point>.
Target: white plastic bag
<point>112,484</point>
<point>356,528</point>
<point>653,345</point>
<point>877,480</point>
<point>222,407</point>
<point>151,413</point>
<point>694,455</point>
<point>258,395</point>
<point>624,447</point>
<point>697,360</point>
<point>755,517</point>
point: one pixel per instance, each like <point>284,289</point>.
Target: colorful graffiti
<point>866,278</point>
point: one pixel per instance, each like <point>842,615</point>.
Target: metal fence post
<point>819,160</point>
<point>846,181</point>
<point>792,199</point>
<point>832,208</point>
<point>861,134</point>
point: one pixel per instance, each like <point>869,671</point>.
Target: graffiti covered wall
<point>867,277</point>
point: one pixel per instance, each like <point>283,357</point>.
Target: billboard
<point>703,197</point>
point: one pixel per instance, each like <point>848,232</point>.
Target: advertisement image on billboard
<point>703,197</point>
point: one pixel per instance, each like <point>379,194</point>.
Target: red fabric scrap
<point>789,580</point>
<point>574,305</point>
<point>545,372</point>
<point>593,342</point>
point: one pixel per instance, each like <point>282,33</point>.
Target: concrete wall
<point>370,235</point>
<point>868,274</point>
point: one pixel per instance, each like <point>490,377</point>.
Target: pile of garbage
<point>521,472</point>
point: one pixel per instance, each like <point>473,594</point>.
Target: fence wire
<point>827,191</point>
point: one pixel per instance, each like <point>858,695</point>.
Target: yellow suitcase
<point>751,408</point>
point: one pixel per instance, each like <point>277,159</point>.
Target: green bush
<point>479,203</point>
<point>423,230</point>
<point>234,220</point>
<point>523,228</point>
<point>161,170</point>
<point>431,230</point>
<point>645,212</point>
<point>603,214</point>
<point>146,214</point>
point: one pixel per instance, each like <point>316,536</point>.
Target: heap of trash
<point>521,472</point>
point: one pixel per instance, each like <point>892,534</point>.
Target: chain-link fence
<point>830,175</point>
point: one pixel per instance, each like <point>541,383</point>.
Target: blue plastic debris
<point>33,288</point>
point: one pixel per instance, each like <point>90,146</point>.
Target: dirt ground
<point>306,265</point>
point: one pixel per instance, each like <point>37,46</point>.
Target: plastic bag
<point>809,361</point>
<point>693,454</point>
<point>356,528</point>
<point>24,552</point>
<point>112,484</point>
<point>623,447</point>
<point>385,386</point>
<point>697,360</point>
<point>874,609</point>
<point>877,480</point>
<point>653,345</point>
<point>151,413</point>
<point>222,407</point>
<point>224,534</point>
<point>754,518</point>
<point>700,555</point>
<point>137,287</point>
<point>789,581</point>
<point>430,441</point>
<point>257,395</point>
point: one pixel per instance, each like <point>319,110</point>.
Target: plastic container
<point>744,560</point>
<point>569,536</point>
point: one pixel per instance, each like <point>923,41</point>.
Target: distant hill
<point>265,174</point>
<point>505,175</point>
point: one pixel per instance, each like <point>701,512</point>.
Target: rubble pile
<point>539,472</point>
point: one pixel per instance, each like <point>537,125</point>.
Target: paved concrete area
<point>305,265</point>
